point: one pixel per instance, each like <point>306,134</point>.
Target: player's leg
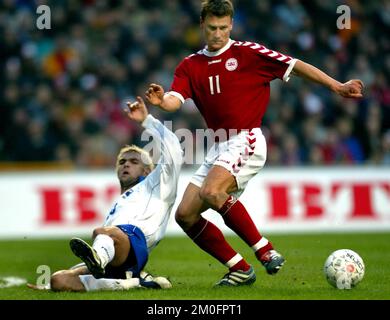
<point>217,186</point>
<point>68,280</point>
<point>120,240</point>
<point>110,246</point>
<point>209,238</point>
<point>79,279</point>
<point>233,169</point>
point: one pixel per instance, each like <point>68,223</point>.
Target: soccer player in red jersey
<point>229,81</point>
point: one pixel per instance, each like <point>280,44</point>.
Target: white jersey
<point>148,204</point>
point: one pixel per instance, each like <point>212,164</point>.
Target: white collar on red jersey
<point>220,51</point>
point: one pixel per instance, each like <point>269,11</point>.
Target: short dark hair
<point>218,8</point>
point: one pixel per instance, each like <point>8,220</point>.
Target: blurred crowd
<point>62,90</point>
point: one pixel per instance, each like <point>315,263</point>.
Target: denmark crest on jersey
<point>231,64</point>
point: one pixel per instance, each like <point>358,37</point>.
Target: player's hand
<point>38,287</point>
<point>155,94</point>
<point>351,89</point>
<point>137,110</point>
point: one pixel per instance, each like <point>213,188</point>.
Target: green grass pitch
<point>193,272</point>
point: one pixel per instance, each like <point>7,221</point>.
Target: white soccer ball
<point>344,269</point>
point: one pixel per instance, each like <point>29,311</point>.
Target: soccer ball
<point>344,269</point>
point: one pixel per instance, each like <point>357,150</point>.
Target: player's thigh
<point>219,179</point>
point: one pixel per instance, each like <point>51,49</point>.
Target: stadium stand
<point>62,89</point>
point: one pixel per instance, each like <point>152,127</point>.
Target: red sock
<point>236,217</point>
<point>210,239</point>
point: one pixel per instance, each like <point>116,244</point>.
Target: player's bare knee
<point>182,218</point>
<point>104,230</point>
<point>210,195</point>
<point>97,231</point>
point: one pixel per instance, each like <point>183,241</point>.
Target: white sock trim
<point>237,258</point>
<point>87,283</point>
<point>104,246</point>
<point>262,243</point>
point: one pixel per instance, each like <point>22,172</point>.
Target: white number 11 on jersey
<point>211,82</point>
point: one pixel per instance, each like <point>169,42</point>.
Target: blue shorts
<point>138,255</point>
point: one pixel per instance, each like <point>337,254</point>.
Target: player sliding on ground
<point>137,220</point>
<point>229,82</point>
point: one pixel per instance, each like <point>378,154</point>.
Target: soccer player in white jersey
<point>229,81</point>
<point>137,220</point>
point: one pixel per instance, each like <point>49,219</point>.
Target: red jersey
<point>231,87</point>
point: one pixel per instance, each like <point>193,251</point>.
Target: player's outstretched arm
<point>171,152</point>
<point>350,89</point>
<point>137,110</point>
<point>155,95</point>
